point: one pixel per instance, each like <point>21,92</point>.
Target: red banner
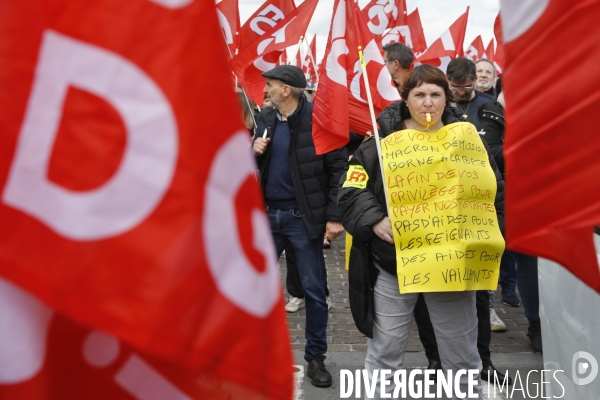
<point>448,46</point>
<point>341,104</point>
<point>552,146</point>
<point>128,199</point>
<point>267,16</point>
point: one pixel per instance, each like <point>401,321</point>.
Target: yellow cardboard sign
<point>441,192</point>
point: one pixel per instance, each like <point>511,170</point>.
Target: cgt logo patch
<point>356,177</point>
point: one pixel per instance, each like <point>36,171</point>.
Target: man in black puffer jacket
<point>300,189</point>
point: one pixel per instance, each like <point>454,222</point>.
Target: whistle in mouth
<point>428,115</point>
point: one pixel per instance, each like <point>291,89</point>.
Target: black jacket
<point>491,122</point>
<point>314,177</point>
<point>360,210</point>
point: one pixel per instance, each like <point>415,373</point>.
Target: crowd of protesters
<point>308,205</point>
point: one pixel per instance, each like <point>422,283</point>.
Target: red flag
<point>229,20</point>
<point>448,46</point>
<point>417,37</point>
<point>551,148</point>
<point>282,58</point>
<point>285,33</point>
<point>341,105</point>
<point>298,60</point>
<point>264,19</point>
<point>475,51</point>
<point>384,14</point>
<point>308,66</point>
<point>269,14</point>
<point>499,55</point>
<point>118,215</point>
<point>489,51</point>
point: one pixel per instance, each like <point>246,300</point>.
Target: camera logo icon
<point>584,368</point>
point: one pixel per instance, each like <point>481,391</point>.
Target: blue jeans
<point>527,279</point>
<point>287,226</point>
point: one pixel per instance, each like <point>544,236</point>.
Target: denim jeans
<point>287,227</point>
<point>293,284</point>
<point>527,279</point>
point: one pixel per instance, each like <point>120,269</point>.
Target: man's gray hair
<point>400,52</point>
<point>488,61</point>
<point>297,92</point>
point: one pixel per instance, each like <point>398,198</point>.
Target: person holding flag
<point>363,203</point>
<point>300,190</point>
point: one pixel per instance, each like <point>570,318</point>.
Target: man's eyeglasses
<point>387,61</point>
<point>462,88</point>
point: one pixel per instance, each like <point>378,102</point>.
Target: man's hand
<point>260,145</point>
<point>383,229</point>
<point>333,230</point>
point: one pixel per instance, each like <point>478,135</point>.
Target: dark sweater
<point>279,190</point>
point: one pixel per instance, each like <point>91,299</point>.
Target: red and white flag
<point>282,60</point>
<point>552,147</point>
<point>499,54</point>
<point>229,20</point>
<point>382,15</point>
<point>267,16</point>
<point>298,60</point>
<point>475,51</point>
<point>251,59</point>
<point>308,64</point>
<point>448,46</point>
<point>489,51</point>
<point>129,267</point>
<point>341,105</point>
<point>417,37</point>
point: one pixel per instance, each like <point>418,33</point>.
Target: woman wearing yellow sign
<point>434,228</point>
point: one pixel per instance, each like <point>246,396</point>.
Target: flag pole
<point>313,61</point>
<point>298,53</point>
<point>236,82</point>
<point>363,66</point>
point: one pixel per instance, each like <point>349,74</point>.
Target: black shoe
<point>535,334</point>
<point>318,374</point>
<point>434,365</point>
<point>509,298</point>
<point>488,375</point>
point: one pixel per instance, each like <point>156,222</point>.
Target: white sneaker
<point>496,322</point>
<point>329,303</point>
<point>294,304</point>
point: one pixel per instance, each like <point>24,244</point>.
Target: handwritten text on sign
<point>441,192</point>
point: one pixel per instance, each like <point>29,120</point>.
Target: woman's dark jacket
<point>361,209</point>
<point>314,177</point>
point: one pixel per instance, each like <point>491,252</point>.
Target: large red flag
<point>269,14</point>
<point>229,20</point>
<point>417,37</point>
<point>285,33</point>
<point>448,46</point>
<point>341,105</point>
<point>118,215</point>
<point>475,51</point>
<point>552,146</point>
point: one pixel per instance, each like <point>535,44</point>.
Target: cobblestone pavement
<point>342,335</point>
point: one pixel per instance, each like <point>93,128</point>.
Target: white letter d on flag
<point>148,162</point>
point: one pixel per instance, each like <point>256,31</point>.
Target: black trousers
<point>292,279</point>
<point>484,329</point>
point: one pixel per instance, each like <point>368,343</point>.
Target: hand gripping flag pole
<point>363,66</point>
